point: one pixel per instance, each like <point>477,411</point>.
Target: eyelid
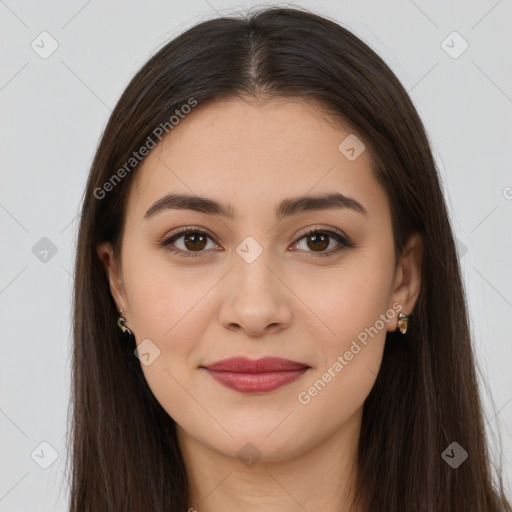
<point>314,229</point>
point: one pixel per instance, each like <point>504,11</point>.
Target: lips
<point>245,365</point>
<point>253,376</point>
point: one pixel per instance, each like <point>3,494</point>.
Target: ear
<point>114,275</point>
<point>407,284</point>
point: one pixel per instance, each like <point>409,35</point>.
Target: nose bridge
<point>251,273</point>
<point>254,296</point>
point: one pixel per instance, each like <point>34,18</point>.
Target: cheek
<point>344,302</point>
<point>351,306</point>
<point>173,312</point>
<point>350,358</point>
<point>171,308</point>
<point>169,305</point>
<point>161,295</point>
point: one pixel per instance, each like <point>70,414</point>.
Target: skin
<point>200,310</point>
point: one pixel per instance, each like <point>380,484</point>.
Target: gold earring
<point>122,326</point>
<point>403,322</point>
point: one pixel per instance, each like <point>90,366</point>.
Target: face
<point>314,285</point>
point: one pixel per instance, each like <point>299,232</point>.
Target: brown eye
<point>193,242</point>
<point>317,241</point>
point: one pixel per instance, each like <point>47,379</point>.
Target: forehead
<point>252,155</point>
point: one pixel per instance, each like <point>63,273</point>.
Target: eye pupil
<point>317,243</point>
<point>192,238</point>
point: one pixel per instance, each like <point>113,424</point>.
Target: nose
<point>256,299</point>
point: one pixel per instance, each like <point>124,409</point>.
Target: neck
<point>318,477</point>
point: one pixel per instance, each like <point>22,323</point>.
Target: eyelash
<point>344,242</point>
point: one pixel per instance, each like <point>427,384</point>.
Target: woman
<point>246,346</point>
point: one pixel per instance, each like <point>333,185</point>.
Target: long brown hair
<point>125,456</point>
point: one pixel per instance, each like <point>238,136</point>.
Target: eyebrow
<point>286,208</point>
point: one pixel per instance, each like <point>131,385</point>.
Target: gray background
<point>54,110</point>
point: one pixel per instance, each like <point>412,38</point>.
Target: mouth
<point>255,376</point>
